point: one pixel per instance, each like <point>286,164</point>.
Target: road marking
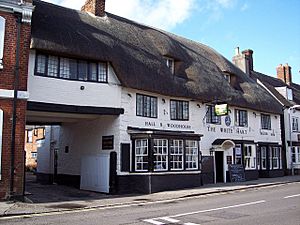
<point>154,222</point>
<point>170,219</point>
<point>292,196</point>
<point>221,208</point>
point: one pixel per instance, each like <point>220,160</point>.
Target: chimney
<point>96,7</point>
<point>243,60</point>
<point>284,73</point>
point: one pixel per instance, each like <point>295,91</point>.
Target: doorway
<point>219,162</point>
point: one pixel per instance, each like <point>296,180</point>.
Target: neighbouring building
<point>15,19</point>
<point>34,138</point>
<point>136,105</point>
<point>287,94</point>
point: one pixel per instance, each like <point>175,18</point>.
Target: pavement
<point>41,199</point>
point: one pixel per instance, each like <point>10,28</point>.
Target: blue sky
<point>271,28</point>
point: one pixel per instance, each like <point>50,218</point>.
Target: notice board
<point>236,173</point>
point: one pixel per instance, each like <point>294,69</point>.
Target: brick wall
<point>6,82</point>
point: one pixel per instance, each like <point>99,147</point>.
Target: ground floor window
<point>141,155</point>
<point>176,154</point>
<point>275,157</point>
<point>296,154</point>
<point>263,157</point>
<point>238,154</point>
<point>191,155</point>
<point>249,157</point>
<point>162,154</point>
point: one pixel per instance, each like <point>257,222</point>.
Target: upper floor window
<point>211,115</point>
<point>71,69</point>
<point>29,136</point>
<point>179,110</point>
<point>241,118</point>
<point>2,33</point>
<point>295,124</point>
<point>296,154</point>
<point>146,106</point>
<point>170,64</point>
<point>265,122</point>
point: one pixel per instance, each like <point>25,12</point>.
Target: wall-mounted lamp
<point>129,95</point>
<point>254,113</point>
<point>198,105</point>
<point>275,117</point>
<point>163,100</point>
<point>211,151</point>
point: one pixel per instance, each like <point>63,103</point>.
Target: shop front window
<point>249,157</point>
<point>191,155</point>
<point>165,155</point>
<point>275,157</point>
<point>263,157</point>
<point>176,154</point>
<point>141,155</point>
<point>238,154</point>
<point>160,152</point>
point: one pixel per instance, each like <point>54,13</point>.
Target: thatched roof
<point>272,83</point>
<point>137,54</point>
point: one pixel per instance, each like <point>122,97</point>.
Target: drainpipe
<point>14,116</point>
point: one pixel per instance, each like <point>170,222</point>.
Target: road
<point>276,205</point>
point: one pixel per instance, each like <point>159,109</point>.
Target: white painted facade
<point>82,138</point>
<point>292,156</point>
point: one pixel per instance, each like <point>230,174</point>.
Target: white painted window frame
<point>263,157</point>
<point>191,155</point>
<point>2,30</point>
<point>141,155</point>
<point>249,156</point>
<point>160,152</point>
<point>176,151</point>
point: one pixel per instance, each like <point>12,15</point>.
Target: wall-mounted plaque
<point>108,142</point>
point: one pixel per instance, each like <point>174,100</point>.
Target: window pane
<point>82,70</point>
<point>93,76</point>
<point>64,69</point>
<point>73,69</point>
<point>102,72</point>
<point>41,64</point>
<point>52,66</point>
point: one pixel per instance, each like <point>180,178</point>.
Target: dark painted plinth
<point>154,183</point>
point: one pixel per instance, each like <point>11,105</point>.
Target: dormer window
<point>2,32</point>
<point>227,77</point>
<point>170,64</point>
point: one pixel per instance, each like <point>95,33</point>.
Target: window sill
<point>166,172</point>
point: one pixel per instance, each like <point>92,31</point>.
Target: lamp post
<point>290,134</point>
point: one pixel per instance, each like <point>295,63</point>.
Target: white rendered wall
<point>291,136</point>
<point>84,138</point>
<point>197,122</point>
<point>60,91</point>
<point>45,152</point>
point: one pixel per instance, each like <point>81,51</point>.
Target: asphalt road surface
<point>276,205</point>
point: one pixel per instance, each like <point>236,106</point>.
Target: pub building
<point>136,105</point>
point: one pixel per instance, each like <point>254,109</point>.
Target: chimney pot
<point>237,50</point>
